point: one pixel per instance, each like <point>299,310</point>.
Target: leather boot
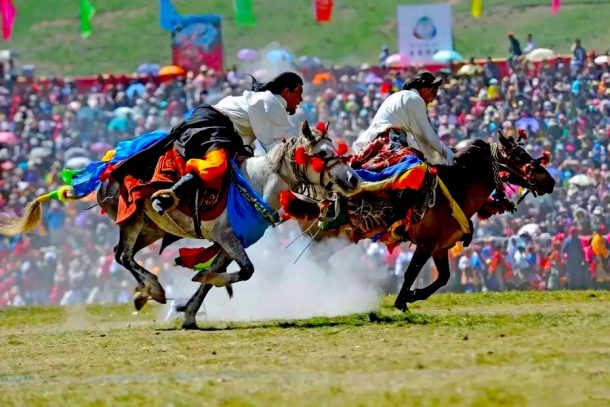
<point>165,199</point>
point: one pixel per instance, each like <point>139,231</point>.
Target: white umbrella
<point>77,163</point>
<point>123,111</point>
<point>39,152</point>
<point>531,229</point>
<point>602,59</point>
<point>75,152</point>
<point>540,54</point>
<point>308,62</point>
<point>582,180</point>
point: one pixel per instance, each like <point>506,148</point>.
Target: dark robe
<point>205,130</point>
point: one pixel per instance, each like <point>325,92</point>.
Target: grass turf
<point>510,349</point>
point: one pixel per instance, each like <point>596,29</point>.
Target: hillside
<point>127,33</point>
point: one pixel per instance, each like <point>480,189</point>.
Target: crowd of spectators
<point>550,243</point>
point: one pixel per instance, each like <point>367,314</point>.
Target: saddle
<point>206,202</point>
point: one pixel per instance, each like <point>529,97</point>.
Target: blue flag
<point>169,16</point>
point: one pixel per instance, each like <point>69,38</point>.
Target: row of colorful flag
<point>476,7</point>
<point>9,13</point>
<point>244,14</point>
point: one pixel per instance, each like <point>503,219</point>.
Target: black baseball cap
<point>423,80</point>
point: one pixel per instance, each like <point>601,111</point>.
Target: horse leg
<point>233,248</point>
<point>191,308</point>
<point>148,283</point>
<point>147,236</point>
<point>441,260</point>
<point>420,257</point>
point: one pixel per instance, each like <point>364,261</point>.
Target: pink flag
<point>555,6</point>
<point>8,18</point>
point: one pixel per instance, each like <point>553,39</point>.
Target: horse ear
<point>307,131</point>
<point>507,142</point>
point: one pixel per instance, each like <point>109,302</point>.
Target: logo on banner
<point>424,29</point>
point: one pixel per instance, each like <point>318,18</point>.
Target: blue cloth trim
<point>246,221</point>
<point>88,179</point>
<point>401,167</point>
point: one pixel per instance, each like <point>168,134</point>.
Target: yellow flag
<point>476,9</point>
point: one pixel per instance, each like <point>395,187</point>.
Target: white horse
<point>268,175</point>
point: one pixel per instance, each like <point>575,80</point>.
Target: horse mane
<point>471,163</point>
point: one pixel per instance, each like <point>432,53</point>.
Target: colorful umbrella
<point>100,147</point>
<point>247,54</point>
<point>172,70</point>
<point>447,56</point>
<point>279,55</point>
<point>308,62</point>
<point>397,61</point>
<point>8,137</point>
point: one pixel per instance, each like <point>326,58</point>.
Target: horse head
<point>318,163</point>
<point>521,168</point>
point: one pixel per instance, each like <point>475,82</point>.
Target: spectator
<point>514,50</point>
<point>579,55</point>
<point>530,44</point>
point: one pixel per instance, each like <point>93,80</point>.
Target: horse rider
<point>406,111</point>
<point>214,134</point>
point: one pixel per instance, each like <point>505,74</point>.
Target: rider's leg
<point>212,166</point>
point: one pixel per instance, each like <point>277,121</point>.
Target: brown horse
<point>476,174</point>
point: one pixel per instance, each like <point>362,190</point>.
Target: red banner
<point>196,41</point>
<point>323,10</point>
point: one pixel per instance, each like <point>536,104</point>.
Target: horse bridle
<point>303,188</point>
<point>500,161</point>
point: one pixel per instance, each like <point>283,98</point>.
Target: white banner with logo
<point>424,30</point>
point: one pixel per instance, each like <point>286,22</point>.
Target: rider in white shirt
<point>263,114</point>
<point>406,111</point>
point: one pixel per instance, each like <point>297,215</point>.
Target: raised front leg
<point>420,257</point>
<point>235,251</point>
<point>441,260</point>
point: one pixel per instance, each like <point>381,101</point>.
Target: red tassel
<point>286,198</point>
<point>300,156</point>
<point>522,135</point>
<point>317,164</point>
<point>432,170</point>
<point>342,148</point>
<point>546,158</point>
<point>504,175</point>
<point>322,128</point>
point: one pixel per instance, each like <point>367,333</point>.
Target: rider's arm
<point>423,132</point>
<point>269,121</point>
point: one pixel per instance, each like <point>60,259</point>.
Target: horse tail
<point>32,213</point>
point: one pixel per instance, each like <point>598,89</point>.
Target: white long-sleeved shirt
<point>258,115</point>
<point>406,110</point>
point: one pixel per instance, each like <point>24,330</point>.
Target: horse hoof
<point>190,326</point>
<point>180,308</point>
<point>156,291</point>
<point>139,300</point>
<point>230,290</point>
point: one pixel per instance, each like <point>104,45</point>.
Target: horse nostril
<point>353,181</point>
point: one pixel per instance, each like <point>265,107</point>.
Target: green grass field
<point>127,33</point>
<point>540,349</point>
